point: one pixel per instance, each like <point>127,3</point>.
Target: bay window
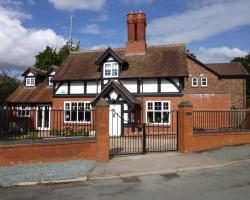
<point>158,111</point>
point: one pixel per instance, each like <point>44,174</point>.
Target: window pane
<point>80,115</point>
<point>107,69</point>
<point>73,115</point>
<point>150,116</point>
<point>67,116</point>
<point>165,106</point>
<point>150,106</point>
<point>166,117</point>
<point>87,106</point>
<point>87,116</point>
<point>114,72</point>
<point>157,105</point>
<point>157,117</point>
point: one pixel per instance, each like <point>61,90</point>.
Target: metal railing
<point>213,121</point>
<point>33,123</point>
<point>135,138</point>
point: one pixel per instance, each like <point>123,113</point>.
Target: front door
<point>43,117</point>
<point>115,120</point>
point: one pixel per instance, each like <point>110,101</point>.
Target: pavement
<point>122,167</point>
<point>171,162</point>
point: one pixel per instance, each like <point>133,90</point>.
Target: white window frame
<point>29,80</point>
<point>23,111</point>
<point>77,111</point>
<point>197,82</point>
<point>206,81</point>
<point>113,65</point>
<point>50,82</point>
<point>162,111</point>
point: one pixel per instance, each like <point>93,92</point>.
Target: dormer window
<point>110,69</point>
<point>30,81</point>
<point>50,82</point>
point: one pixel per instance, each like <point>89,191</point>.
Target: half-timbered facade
<point>141,83</point>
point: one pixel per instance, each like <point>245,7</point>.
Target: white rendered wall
<point>63,89</point>
<point>149,85</point>
<point>91,87</point>
<point>131,85</point>
<point>166,86</point>
<point>30,74</point>
<point>77,87</point>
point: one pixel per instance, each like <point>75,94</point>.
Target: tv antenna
<point>70,31</point>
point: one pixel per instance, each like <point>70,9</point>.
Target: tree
<point>47,58</point>
<point>7,86</point>
<point>50,57</point>
<point>245,61</point>
<point>65,50</point>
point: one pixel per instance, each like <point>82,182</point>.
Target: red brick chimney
<point>136,43</point>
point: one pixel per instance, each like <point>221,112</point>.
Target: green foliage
<point>245,61</point>
<point>50,56</point>
<point>7,86</point>
<point>47,58</point>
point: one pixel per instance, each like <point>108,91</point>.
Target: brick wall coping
<point>48,140</point>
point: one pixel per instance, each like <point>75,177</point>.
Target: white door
<point>115,120</point>
<point>43,117</point>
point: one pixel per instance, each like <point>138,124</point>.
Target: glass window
<point>30,81</point>
<point>77,112</point>
<point>23,111</point>
<point>194,82</point>
<point>204,81</point>
<point>50,82</point>
<point>158,112</point>
<point>111,69</point>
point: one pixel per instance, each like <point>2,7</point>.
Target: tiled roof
<point>35,70</point>
<point>158,61</point>
<point>228,69</point>
<point>39,94</point>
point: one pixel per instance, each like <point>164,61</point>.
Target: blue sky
<point>215,30</point>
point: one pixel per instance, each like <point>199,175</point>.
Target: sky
<point>214,30</point>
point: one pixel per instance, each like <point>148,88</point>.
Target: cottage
<point>141,83</point>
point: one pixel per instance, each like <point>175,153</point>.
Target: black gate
<point>144,138</point>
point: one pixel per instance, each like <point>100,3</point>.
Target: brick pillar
<point>185,126</point>
<point>102,130</point>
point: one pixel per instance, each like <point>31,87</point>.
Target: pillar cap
<point>102,103</point>
<point>185,104</point>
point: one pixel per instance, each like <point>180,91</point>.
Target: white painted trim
<point>111,66</point>
<point>42,128</point>
<point>28,79</point>
<point>197,79</point>
<point>76,122</point>
<point>169,110</point>
<point>205,78</point>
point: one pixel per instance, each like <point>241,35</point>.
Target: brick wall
<point>52,151</point>
<point>234,87</point>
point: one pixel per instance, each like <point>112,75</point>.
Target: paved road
<point>228,183</point>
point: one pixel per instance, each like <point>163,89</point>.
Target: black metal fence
<point>144,138</point>
<point>221,121</point>
<point>43,122</point>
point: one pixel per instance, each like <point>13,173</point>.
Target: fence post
<point>102,130</point>
<point>185,126</point>
<point>144,139</point>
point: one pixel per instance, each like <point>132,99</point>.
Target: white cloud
<point>200,23</point>
<point>91,29</point>
<point>71,5</point>
<point>19,45</point>
<point>102,46</point>
<point>137,2</point>
<point>219,54</point>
